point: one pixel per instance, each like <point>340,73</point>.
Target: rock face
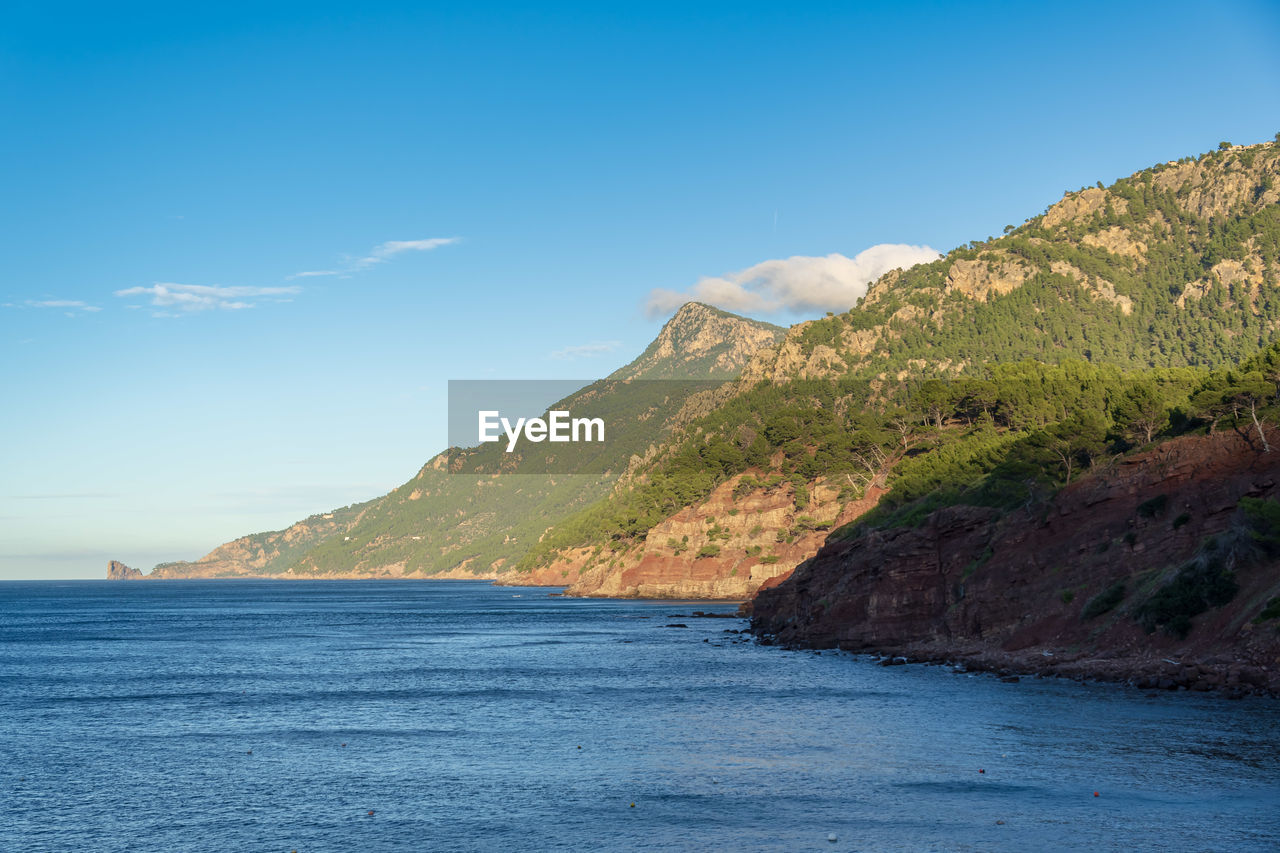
<point>1210,191</point>
<point>1010,590</point>
<point>701,342</point>
<point>118,571</point>
<point>728,547</point>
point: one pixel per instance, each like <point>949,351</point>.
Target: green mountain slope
<point>1176,267</point>
<point>268,553</point>
<point>446,520</point>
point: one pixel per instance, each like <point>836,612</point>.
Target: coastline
<point>1229,678</point>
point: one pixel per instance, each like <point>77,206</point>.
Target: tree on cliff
<point>1077,441</point>
<point>1141,411</point>
<point>1239,395</point>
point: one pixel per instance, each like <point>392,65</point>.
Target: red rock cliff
<point>1010,589</point>
<point>727,547</point>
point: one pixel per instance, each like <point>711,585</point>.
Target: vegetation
<point>1117,329</point>
<point>1103,602</point>
<point>990,377</point>
<point>1271,611</point>
<point>481,506</point>
<point>1008,437</point>
<point>1208,580</point>
<point>1203,583</point>
<point>1260,518</point>
<point>1153,507</point>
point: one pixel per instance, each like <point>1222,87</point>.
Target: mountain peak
<point>701,342</point>
<point>1175,265</point>
<point>700,309</point>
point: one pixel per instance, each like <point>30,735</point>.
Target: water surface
<point>192,715</point>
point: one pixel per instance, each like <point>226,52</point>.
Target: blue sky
<point>497,192</point>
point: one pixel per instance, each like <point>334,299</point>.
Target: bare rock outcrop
<point>118,571</point>
<point>728,547</point>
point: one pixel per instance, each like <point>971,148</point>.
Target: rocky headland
<point>118,571</point>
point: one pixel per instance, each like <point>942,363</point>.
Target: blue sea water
<point>275,716</point>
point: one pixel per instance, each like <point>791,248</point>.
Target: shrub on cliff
<point>1155,506</point>
<point>1204,582</point>
<point>1262,519</point>
<point>1271,611</point>
<point>1103,602</point>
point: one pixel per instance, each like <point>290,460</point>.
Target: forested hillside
<point>992,377</point>
<point>459,517</point>
<point>1174,266</point>
<point>997,372</point>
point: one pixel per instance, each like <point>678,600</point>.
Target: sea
<point>246,715</point>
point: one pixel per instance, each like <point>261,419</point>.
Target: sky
<point>245,247</point>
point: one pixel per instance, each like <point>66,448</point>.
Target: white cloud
<point>75,304</point>
<point>395,247</point>
<point>382,253</point>
<point>585,350</point>
<point>189,298</point>
<point>797,284</point>
<point>311,273</point>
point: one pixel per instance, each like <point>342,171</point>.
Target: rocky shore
<point>1231,678</point>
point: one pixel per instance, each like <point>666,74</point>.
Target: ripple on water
<point>154,714</point>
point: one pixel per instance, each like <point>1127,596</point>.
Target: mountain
<point>1173,266</point>
<point>991,375</point>
<point>447,523</point>
<point>1159,566</point>
<point>265,554</point>
<point>701,342</point>
<point>989,379</point>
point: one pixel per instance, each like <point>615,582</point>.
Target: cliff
<point>748,535</point>
<point>701,342</point>
<point>117,571</point>
<point>1147,571</point>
